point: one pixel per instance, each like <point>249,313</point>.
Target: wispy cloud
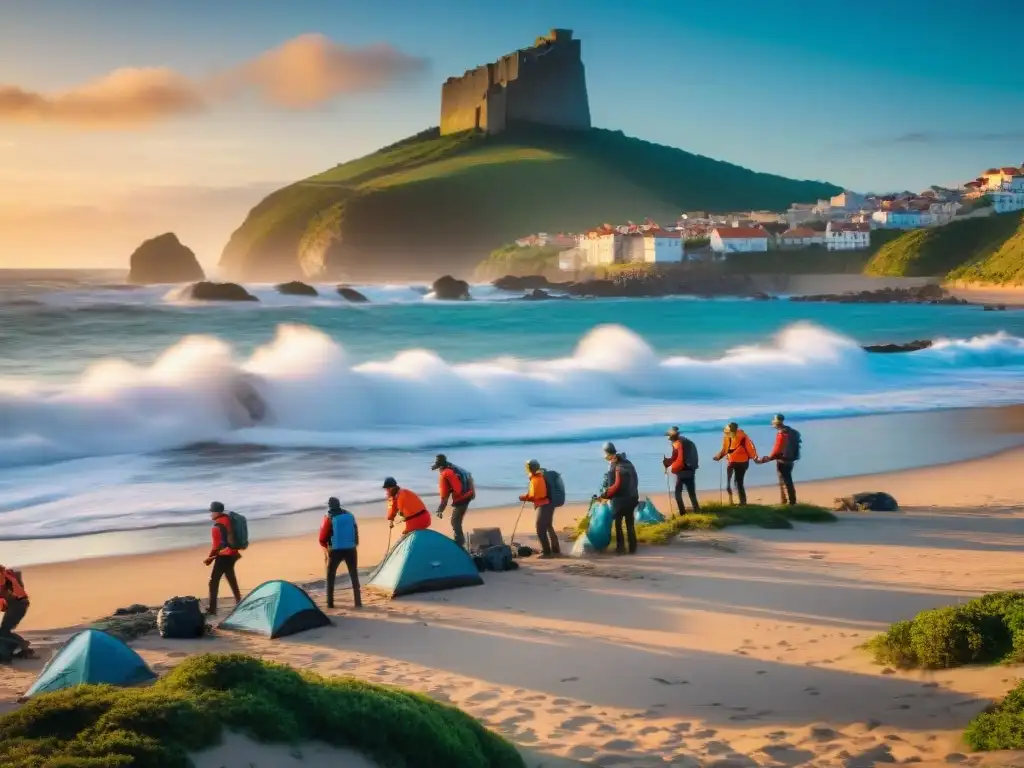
<point>304,72</point>
<point>946,137</point>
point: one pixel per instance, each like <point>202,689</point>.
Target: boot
<point>211,609</point>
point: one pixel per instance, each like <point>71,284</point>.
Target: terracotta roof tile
<point>737,233</point>
<point>849,226</point>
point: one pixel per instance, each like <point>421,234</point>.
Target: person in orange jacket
<point>739,448</point>
<point>14,605</point>
<point>537,494</point>
<point>686,476</point>
<point>451,485</point>
<point>222,557</point>
<point>407,504</point>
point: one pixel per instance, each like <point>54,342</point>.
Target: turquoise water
<point>122,409</point>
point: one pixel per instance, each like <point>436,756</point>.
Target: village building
<point>847,236</point>
<point>738,239</point>
<point>800,237</point>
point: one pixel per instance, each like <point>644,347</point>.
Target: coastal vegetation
<point>190,709</point>
<point>987,630</point>
<point>714,517</point>
<point>512,259</point>
<point>999,727</point>
<point>988,249</point>
<point>433,203</point>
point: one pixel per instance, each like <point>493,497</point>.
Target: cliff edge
<point>432,204</point>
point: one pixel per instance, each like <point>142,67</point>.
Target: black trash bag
<point>874,501</point>
<point>181,618</point>
<point>524,551</point>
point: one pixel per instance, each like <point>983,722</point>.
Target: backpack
<point>793,441</point>
<point>691,460</point>
<point>238,538</point>
<point>556,487</point>
<point>631,481</point>
<point>181,618</point>
<point>466,481</point>
<point>499,558</point>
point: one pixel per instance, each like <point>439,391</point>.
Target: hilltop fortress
<point>545,85</point>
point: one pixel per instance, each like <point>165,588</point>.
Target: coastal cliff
<point>432,204</point>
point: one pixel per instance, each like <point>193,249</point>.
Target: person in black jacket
<point>622,491</point>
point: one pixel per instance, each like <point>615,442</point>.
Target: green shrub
<point>1001,726</point>
<point>986,630</point>
<point>187,711</point>
<point>713,517</point>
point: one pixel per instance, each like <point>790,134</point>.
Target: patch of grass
<point>442,202</point>
<point>999,727</point>
<point>187,711</point>
<point>714,517</point>
<point>987,630</point>
<point>982,249</point>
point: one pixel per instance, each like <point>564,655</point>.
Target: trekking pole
<point>721,470</point>
<point>668,489</point>
<point>512,538</point>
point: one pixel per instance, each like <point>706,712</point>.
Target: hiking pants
<point>737,470</point>
<point>351,560</point>
<point>223,565</point>
<point>16,610</point>
<point>458,513</point>
<point>686,479</point>
<point>625,510</point>
<point>786,488</point>
<point>546,530</point>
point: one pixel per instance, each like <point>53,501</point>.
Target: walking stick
<point>668,489</point>
<point>721,471</point>
<point>512,538</point>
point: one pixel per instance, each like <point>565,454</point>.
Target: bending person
<point>407,505</point>
<point>454,483</point>
<point>14,605</point>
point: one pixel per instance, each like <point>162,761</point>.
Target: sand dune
<point>684,655</point>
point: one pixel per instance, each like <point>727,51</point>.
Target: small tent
<point>91,656</point>
<point>276,609</point>
<point>424,561</point>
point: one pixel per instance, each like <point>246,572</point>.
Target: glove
<point>718,458</point>
<point>523,499</point>
<point>208,561</point>
<point>391,523</point>
<point>666,463</point>
<point>3,605</point>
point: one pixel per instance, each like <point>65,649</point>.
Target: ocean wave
<point>302,390</point>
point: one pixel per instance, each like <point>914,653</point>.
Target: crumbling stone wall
<point>545,84</point>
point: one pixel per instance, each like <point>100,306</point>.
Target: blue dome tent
<point>424,561</point>
<point>276,609</point>
<point>91,657</point>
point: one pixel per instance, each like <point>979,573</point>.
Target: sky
<point>120,120</point>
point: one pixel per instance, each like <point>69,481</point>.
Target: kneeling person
<point>14,605</point>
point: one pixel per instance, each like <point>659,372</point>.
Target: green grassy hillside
<point>987,249</point>
<point>432,203</point>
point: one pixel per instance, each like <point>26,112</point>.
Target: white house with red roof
<point>800,237</point>
<point>847,235</point>
<point>739,239</point>
<point>661,246</point>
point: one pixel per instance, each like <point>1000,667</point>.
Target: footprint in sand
<point>672,681</point>
<point>481,696</point>
<point>575,723</point>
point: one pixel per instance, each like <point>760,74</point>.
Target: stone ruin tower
<point>542,85</point>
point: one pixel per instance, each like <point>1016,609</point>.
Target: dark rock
<point>164,260</point>
<point>540,295</point>
<point>994,308</point>
<point>351,294</point>
<point>925,294</point>
<point>206,291</point>
<point>449,288</point>
<point>528,283</point>
<point>295,288</point>
<point>910,346</point>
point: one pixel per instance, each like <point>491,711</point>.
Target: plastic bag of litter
<point>599,530</point>
<point>646,512</point>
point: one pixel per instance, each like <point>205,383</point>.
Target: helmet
<point>609,448</point>
<point>533,465</point>
<point>439,461</point>
<point>390,482</point>
<point>216,506</point>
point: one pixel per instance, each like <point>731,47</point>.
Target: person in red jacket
<point>451,485</point>
<point>339,536</point>
<point>405,503</point>
<point>14,606</point>
<point>222,556</point>
<point>782,454</point>
<point>685,475</point>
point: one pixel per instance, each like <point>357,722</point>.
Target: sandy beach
<point>687,654</point>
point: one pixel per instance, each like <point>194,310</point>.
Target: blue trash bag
<point>599,530</point>
<point>648,513</point>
